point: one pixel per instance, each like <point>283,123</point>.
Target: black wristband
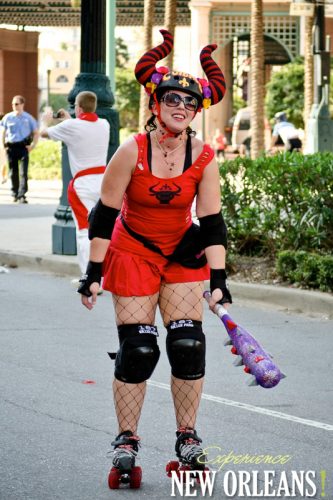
<point>218,279</point>
<point>93,275</point>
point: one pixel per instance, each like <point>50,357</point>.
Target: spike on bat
<point>247,369</point>
<point>253,382</point>
<point>238,361</point>
<point>233,350</point>
<point>230,324</point>
<point>227,342</point>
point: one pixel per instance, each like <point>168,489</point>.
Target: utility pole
<point>320,125</point>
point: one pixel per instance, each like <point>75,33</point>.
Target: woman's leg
<point>129,398</point>
<point>179,302</point>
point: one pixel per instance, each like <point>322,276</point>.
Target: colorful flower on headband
<point>156,78</point>
<point>207,93</point>
<point>203,82</point>
<point>163,69</point>
<point>206,103</point>
<point>150,87</point>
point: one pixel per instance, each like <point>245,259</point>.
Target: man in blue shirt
<point>20,135</point>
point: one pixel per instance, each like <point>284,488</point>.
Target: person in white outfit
<point>87,139</point>
<point>287,131</point>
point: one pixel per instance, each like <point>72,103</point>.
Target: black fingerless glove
<point>93,275</point>
<point>218,280</point>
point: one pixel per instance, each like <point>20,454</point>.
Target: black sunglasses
<point>173,100</point>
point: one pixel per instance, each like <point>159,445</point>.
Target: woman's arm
<point>209,204</point>
<point>115,181</point>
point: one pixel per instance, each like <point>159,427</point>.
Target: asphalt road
<point>56,429</point>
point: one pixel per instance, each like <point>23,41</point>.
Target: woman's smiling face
<point>177,110</point>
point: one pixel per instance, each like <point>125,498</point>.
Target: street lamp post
<point>91,77</point>
<point>320,125</point>
<point>48,73</point>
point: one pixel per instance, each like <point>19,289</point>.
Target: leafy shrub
<point>285,92</point>
<point>307,269</point>
<point>281,202</point>
<point>45,161</point>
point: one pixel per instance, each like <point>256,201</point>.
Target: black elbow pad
<point>213,230</point>
<point>101,221</point>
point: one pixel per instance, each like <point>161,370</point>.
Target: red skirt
<point>141,271</point>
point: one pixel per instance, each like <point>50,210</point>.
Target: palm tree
<point>148,23</point>
<point>257,79</point>
<point>170,20</point>
<point>308,72</point>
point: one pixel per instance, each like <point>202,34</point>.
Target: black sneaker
<point>23,200</point>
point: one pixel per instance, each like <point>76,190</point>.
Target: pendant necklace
<point>165,153</point>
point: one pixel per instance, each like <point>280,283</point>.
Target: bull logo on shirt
<point>165,193</point>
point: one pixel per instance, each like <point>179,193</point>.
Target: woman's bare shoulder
<point>127,150</point>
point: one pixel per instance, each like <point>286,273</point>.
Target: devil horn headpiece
<point>152,78</point>
<point>146,65</point>
<point>214,74</point>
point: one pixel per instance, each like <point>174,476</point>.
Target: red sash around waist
<point>79,209</point>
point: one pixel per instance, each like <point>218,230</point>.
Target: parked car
<point>241,132</point>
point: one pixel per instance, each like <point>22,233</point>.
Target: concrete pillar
<point>200,36</point>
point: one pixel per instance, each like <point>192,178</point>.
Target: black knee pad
<point>138,353</point>
<point>186,349</point>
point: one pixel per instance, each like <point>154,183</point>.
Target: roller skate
<point>191,456</point>
<point>124,470</point>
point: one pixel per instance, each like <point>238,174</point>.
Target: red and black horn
<point>214,74</point>
<point>146,65</point>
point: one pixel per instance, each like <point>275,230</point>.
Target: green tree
<point>122,56</point>
<point>57,101</point>
<point>127,98</point>
<point>285,92</point>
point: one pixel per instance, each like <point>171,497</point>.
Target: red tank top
<point>159,209</point>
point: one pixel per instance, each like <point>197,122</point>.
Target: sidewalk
<point>26,241</point>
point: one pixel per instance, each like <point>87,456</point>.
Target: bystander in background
<point>3,156</point>
<point>19,136</point>
<point>87,139</point>
<point>287,132</point>
<point>219,144</point>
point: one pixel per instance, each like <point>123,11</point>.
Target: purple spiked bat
<point>250,353</point>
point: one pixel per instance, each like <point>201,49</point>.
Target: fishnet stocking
<point>135,309</point>
<point>186,396</point>
<point>181,301</point>
<point>128,401</point>
<point>129,398</point>
<point>176,301</point>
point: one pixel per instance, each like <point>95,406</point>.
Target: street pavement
<point>57,418</point>
<point>26,241</point>
<point>56,414</point>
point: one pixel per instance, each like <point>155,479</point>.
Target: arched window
<point>62,79</point>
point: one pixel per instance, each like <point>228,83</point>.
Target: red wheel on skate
<point>185,467</point>
<point>135,478</point>
<point>203,475</point>
<point>114,478</point>
<point>170,466</point>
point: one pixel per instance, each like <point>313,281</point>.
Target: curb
<point>293,299</point>
<point>298,301</point>
<point>57,264</point>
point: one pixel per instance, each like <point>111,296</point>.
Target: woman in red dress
<point>156,257</point>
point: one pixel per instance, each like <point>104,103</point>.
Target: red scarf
<point>89,117</point>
